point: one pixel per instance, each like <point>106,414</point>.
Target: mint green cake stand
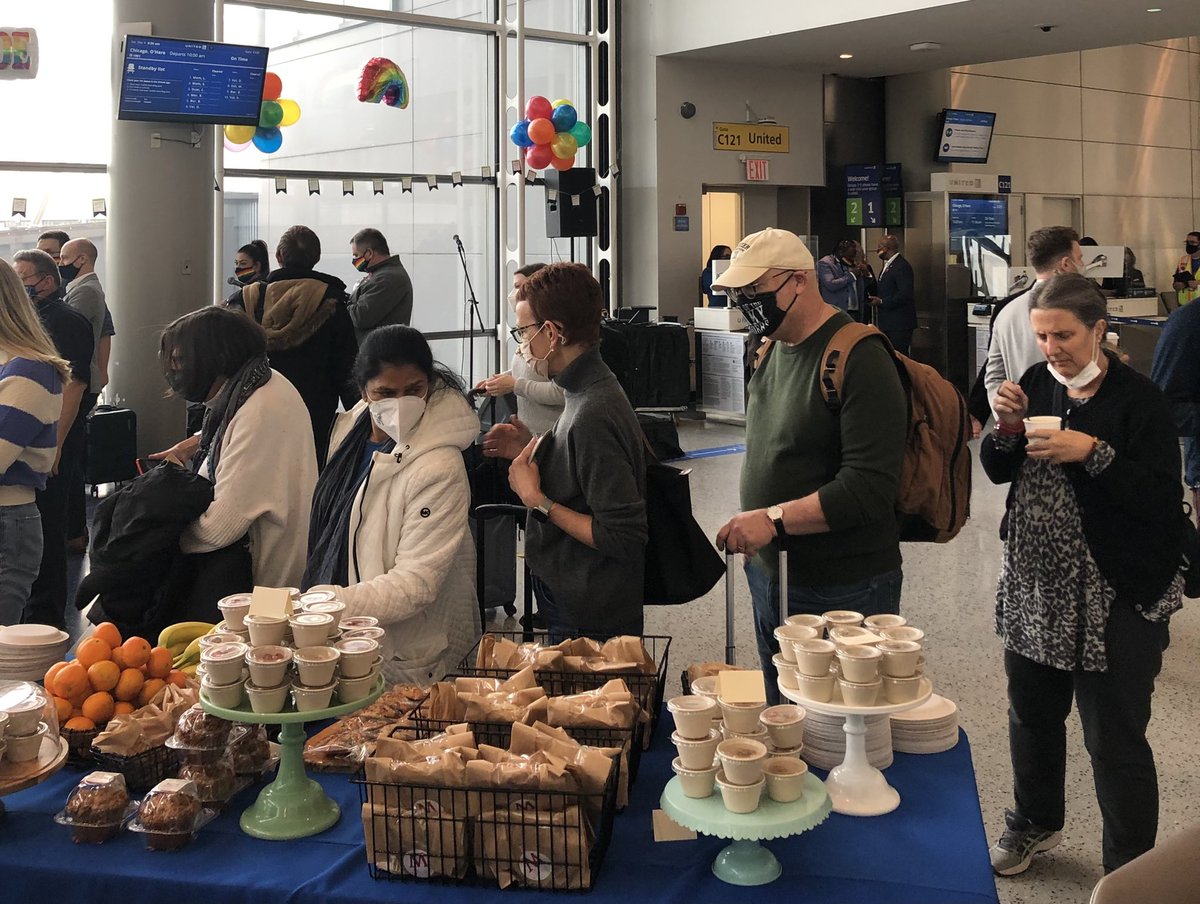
<point>744,861</point>
<point>292,806</point>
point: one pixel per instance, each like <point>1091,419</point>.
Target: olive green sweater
<point>795,446</point>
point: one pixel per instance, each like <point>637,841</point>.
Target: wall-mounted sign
<point>864,195</point>
<point>757,169</point>
<point>749,136</point>
<point>18,53</point>
<point>683,224</point>
<point>892,187</point>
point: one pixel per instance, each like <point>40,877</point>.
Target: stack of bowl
<point>22,727</point>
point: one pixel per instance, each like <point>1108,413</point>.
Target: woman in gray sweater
<point>585,480</point>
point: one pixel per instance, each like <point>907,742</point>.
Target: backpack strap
<point>835,356</point>
<point>760,354</point>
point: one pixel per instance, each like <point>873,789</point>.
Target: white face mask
<point>397,417</point>
<point>1086,374</point>
<point>540,366</point>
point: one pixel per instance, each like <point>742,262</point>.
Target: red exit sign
<point>756,170</point>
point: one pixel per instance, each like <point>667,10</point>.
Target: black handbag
<point>681,562</point>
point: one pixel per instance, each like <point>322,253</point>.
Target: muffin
<point>215,782</point>
<point>168,814</point>
<point>96,808</point>
<point>198,729</point>
<point>250,750</point>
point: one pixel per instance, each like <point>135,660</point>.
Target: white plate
<point>32,635</point>
<point>936,707</point>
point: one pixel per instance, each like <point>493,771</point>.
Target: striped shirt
<point>30,403</point>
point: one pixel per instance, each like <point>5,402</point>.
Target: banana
<point>183,633</point>
<point>189,654</point>
<point>189,670</point>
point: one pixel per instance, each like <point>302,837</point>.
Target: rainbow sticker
<point>382,80</point>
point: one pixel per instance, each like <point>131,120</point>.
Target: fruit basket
<point>143,770</point>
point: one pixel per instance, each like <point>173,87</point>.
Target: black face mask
<point>179,385</point>
<point>762,312</point>
<point>1191,247</point>
<point>68,272</point>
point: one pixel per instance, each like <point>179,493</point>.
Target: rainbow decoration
<point>382,80</point>
<point>550,134</point>
<point>274,113</point>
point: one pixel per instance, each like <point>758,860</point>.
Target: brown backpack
<point>934,496</point>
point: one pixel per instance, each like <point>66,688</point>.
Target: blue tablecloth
<point>929,851</point>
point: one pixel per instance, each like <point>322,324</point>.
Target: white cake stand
<point>857,788</point>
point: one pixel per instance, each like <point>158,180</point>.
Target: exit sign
<point>756,170</point>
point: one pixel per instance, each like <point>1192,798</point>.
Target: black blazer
<point>897,308</point>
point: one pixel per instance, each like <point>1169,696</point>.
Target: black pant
<point>901,340</point>
<point>48,598</point>
<point>77,525</point>
<point>1114,709</point>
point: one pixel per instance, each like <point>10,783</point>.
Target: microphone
<point>458,241</point>
<point>233,281</point>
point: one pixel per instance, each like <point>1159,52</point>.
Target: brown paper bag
<point>609,706</point>
<point>534,848</point>
<point>413,843</point>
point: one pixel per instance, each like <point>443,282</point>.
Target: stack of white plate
<point>825,740</point>
<point>930,728</point>
<point>27,651</point>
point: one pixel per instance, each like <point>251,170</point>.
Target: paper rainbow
<point>382,80</point>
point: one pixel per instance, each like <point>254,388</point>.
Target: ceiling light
<point>845,56</point>
<point>1154,9</point>
<point>922,46</point>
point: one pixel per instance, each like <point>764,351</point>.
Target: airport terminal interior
<point>960,127</point>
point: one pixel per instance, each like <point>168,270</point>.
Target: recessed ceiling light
<point>1154,9</point>
<point>922,46</point>
<point>845,56</point>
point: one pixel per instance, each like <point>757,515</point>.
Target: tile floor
<point>948,591</point>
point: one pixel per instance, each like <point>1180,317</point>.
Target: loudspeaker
<point>564,219</point>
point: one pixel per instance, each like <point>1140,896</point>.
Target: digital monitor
<point>976,215</point>
<point>176,80</point>
<point>964,136</point>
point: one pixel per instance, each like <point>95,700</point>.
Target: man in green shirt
<point>828,481</point>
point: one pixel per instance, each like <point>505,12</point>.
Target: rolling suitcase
<point>730,646</point>
<point>482,514</point>
<point>111,445</point>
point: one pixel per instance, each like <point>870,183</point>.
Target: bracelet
<point>1011,431</point>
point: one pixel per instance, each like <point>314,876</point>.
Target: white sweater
<point>412,560</point>
<point>264,484</point>
<point>1013,349</point>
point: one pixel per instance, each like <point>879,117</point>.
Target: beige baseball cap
<point>771,249</point>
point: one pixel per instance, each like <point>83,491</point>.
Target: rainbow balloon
<point>382,80</point>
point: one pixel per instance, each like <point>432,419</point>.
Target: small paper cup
<point>904,632</point>
<point>25,747</point>
<point>900,657</point>
<point>266,630</point>
<point>310,629</point>
<point>786,671</point>
<point>859,664</point>
<point>696,783</point>
<point>309,699</point>
<point>1042,422</point>
<point>268,665</point>
<point>350,690</point>
<point>813,657</point>
<point>234,610</point>
<point>819,689</point>
<point>859,694</point>
<point>902,690</point>
<point>315,665</point>
<point>706,687</point>
<point>357,656</point>
<point>223,663</point>
<point>786,635</point>
<point>842,617</point>
<point>790,752</point>
<point>266,699</point>
<point>741,717</point>
<point>742,760</point>
<point>226,696</point>
<point>372,633</point>
<point>808,620</point>
<point>760,735</point>
<point>354,622</point>
<point>697,754</point>
<point>785,778</point>
<point>883,620</point>
<point>217,638</point>
<point>693,715</point>
<point>784,724</point>
<point>24,718</point>
<point>740,798</point>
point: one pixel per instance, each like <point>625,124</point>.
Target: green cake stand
<point>745,861</point>
<point>292,806</point>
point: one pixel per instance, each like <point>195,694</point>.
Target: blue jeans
<point>557,623</point>
<point>1191,461</point>
<point>20,558</point>
<point>872,596</point>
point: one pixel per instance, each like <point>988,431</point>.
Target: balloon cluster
<point>274,113</point>
<point>550,133</point>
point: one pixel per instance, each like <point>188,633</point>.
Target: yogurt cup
<point>266,699</point>
<point>784,724</point>
<point>223,662</point>
<point>234,609</point>
<point>706,686</point>
<point>742,760</point>
<point>741,717</point>
<point>226,696</point>
<point>813,657</point>
<point>315,665</point>
<point>309,699</point>
<point>740,798</point>
<point>372,633</point>
<point>842,617</point>
<point>791,752</point>
<point>697,754</point>
<point>266,630</point>
<point>218,638</point>
<point>350,690</point>
<point>760,735</point>
<point>786,635</point>
<point>902,690</point>
<point>900,657</point>
<point>785,778</point>
<point>358,654</point>
<point>877,623</point>
<point>354,622</point>
<point>268,665</point>
<point>693,715</point>
<point>819,689</point>
<point>310,629</point>
<point>316,596</point>
<point>25,747</point>
<point>696,783</point>
<point>904,632</point>
<point>786,671</point>
<point>808,620</point>
<point>859,664</point>
<point>330,607</point>
<point>856,693</point>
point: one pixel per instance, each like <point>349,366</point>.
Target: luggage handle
<point>730,646</point>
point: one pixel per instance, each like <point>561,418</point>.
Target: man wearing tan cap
<point>826,480</point>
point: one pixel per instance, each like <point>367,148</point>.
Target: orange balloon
<point>541,131</point>
<point>560,164</point>
<point>272,86</point>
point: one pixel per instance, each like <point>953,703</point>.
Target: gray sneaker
<point>1013,853</point>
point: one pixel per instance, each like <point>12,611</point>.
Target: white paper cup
<point>310,629</point>
<point>312,698</point>
<point>785,778</point>
<point>901,690</point>
<point>786,671</point>
<point>223,663</point>
<point>742,760</point>
<point>859,664</point>
<point>268,665</point>
<point>859,693</point>
<point>266,699</point>
<point>818,689</point>
<point>697,754</point>
<point>900,657</point>
<point>315,665</point>
<point>693,715</point>
<point>784,724</point>
<point>696,783</point>
<point>227,696</point>
<point>741,717</point>
<point>234,610</point>
<point>740,798</point>
<point>883,620</point>
<point>351,689</point>
<point>813,657</point>
<point>266,630</point>
<point>25,747</point>
<point>358,654</point>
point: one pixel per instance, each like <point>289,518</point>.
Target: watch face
<point>775,513</point>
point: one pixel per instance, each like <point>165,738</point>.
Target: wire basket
<point>538,840</point>
<point>79,747</point>
<point>143,770</point>
<point>648,689</point>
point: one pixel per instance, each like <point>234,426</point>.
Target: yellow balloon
<point>291,111</point>
<point>239,134</point>
<point>560,102</point>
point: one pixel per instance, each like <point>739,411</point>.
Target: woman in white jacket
<point>389,525</point>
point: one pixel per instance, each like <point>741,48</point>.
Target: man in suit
<point>897,308</point>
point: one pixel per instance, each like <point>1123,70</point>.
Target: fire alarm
<point>681,210</point>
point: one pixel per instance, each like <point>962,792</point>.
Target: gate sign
<point>18,53</point>
<point>864,195</point>
<point>893,195</point>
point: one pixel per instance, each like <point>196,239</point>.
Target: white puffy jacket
<point>411,557</point>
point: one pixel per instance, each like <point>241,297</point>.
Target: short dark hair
<point>1195,233</point>
<point>569,295</point>
<point>844,247</point>
<point>298,248</point>
<point>207,344</point>
<point>1071,292</point>
<point>43,263</point>
<point>529,269</point>
<point>370,239</point>
<point>57,234</point>
<point>1048,244</point>
<point>257,252</point>
<point>397,345</point>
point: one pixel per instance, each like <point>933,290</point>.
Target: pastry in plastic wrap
<point>215,782</point>
<point>250,750</point>
<point>96,807</point>
<point>196,728</point>
<point>169,814</point>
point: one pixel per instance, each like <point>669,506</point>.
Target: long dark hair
<point>395,346</point>
<point>209,343</point>
<point>719,252</point>
<point>257,252</point>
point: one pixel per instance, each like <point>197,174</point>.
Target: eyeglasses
<point>518,332</point>
<point>749,293</point>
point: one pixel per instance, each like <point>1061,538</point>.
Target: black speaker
<point>564,219</point>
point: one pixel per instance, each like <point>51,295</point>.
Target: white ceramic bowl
<point>358,654</point>
<point>785,778</point>
<point>697,754</point>
<point>234,610</point>
<point>227,696</point>
<point>223,663</point>
<point>785,670</point>
<point>741,717</point>
<point>856,693</point>
<point>312,698</point>
<point>25,747</point>
<point>740,798</point>
<point>693,715</point>
<point>266,699</point>
<point>268,665</point>
<point>883,620</point>
<point>784,724</point>
<point>266,630</point>
<point>819,689</point>
<point>351,689</point>
<point>695,782</point>
<point>742,760</point>
<point>315,665</point>
<point>814,656</point>
<point>859,664</point>
<point>310,629</point>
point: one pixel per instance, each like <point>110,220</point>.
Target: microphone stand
<point>472,318</point>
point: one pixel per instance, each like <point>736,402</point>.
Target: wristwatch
<point>542,510</point>
<point>775,513</point>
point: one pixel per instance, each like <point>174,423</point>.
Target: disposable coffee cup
<point>1042,422</point>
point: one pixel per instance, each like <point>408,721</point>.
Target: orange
<point>104,675</point>
<point>64,709</point>
<point>177,678</point>
<point>48,681</point>
<point>80,723</point>
<point>136,652</point>
<point>71,680</point>
<point>109,633</point>
<point>92,650</point>
<point>129,685</point>
<point>118,656</point>
<point>149,689</point>
<point>122,708</point>
<point>160,662</point>
<point>99,707</point>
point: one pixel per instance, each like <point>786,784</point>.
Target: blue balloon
<point>519,134</point>
<point>564,117</point>
<point>268,140</point>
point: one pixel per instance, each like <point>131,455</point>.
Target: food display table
<point>933,850</point>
